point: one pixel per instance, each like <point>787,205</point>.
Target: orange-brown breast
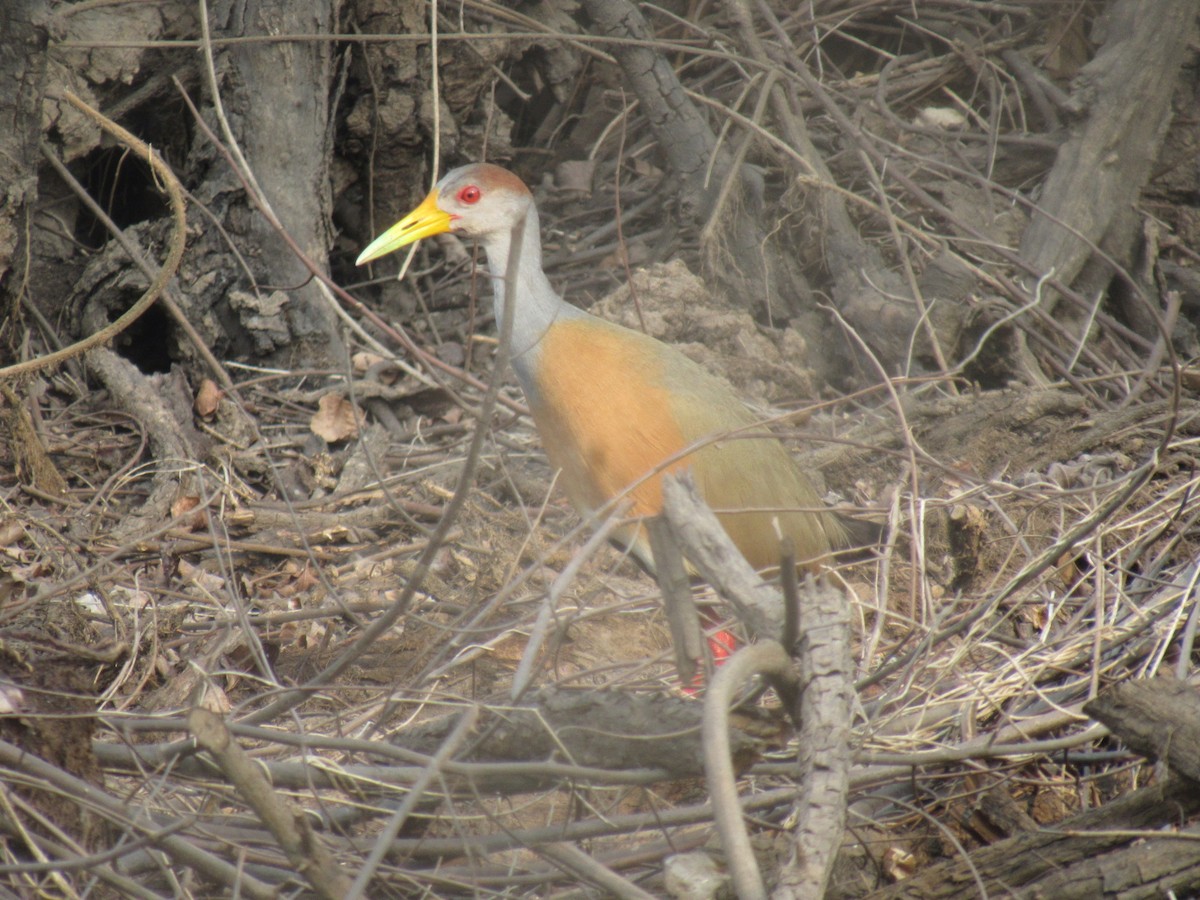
<point>612,405</point>
<point>603,414</point>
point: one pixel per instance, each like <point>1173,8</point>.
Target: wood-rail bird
<point>614,406</point>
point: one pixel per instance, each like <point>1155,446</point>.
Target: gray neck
<point>538,305</point>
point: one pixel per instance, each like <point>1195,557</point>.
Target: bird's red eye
<point>470,194</point>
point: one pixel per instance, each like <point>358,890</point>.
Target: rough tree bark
<point>610,730</point>
<point>23,75</point>
<point>1123,97</point>
<point>279,101</point>
<point>1066,862</point>
<point>278,94</point>
<point>1158,717</point>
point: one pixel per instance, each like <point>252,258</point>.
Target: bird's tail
<point>856,538</point>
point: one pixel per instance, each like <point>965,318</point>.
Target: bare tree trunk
<point>23,72</point>
<point>279,107</point>
<point>1124,96</point>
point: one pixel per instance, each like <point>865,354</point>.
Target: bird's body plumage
<point>614,407</point>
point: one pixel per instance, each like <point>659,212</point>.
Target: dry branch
<point>696,530</point>
<point>291,827</point>
<point>683,133</point>
<point>593,872</point>
<point>1157,717</point>
<point>743,253</point>
<point>687,637</point>
<point>159,834</point>
<point>431,772</point>
<point>1111,851</point>
<point>767,658</point>
<point>1125,95</point>
<point>869,294</point>
<point>1072,859</point>
<point>823,744</point>
<point>819,699</point>
<point>605,729</point>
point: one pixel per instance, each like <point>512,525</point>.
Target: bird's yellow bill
<point>426,219</point>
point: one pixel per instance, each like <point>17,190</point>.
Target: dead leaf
<point>215,700</point>
<point>898,864</point>
<point>11,531</point>
<point>335,419</point>
<point>289,634</point>
<point>183,505</point>
<point>376,368</point>
<point>12,701</point>
<point>29,573</point>
<point>364,360</point>
<point>303,581</point>
<point>634,253</point>
<point>208,398</point>
<point>645,168</point>
<point>946,118</point>
<point>198,576</point>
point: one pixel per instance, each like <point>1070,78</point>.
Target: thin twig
<point>766,658</point>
